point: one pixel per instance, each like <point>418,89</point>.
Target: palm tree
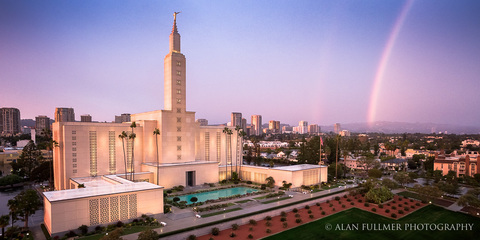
<point>238,129</point>
<point>132,136</point>
<point>123,135</point>
<point>227,132</point>
<point>51,145</point>
<point>242,135</point>
<point>156,132</point>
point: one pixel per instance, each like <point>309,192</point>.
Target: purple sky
<point>286,60</point>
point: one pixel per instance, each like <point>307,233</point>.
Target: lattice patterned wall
<point>114,216</point>
<point>104,209</point>
<point>112,209</point>
<point>93,205</point>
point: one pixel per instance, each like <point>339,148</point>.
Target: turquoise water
<point>204,196</point>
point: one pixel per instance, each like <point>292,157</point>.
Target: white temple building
<point>93,165</point>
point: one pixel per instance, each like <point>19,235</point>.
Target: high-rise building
<point>124,117</point>
<point>303,127</point>
<point>85,118</point>
<point>203,122</point>
<point>274,126</point>
<point>313,129</point>
<point>244,124</point>
<point>64,115</point>
<point>337,128</point>
<point>345,133</point>
<point>10,121</point>
<point>42,123</point>
<point>257,125</point>
<point>287,129</point>
<point>236,119</point>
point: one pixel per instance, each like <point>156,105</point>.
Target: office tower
<point>64,115</point>
<point>9,121</point>
<point>274,126</point>
<point>337,128</point>
<point>124,117</point>
<point>303,127</point>
<point>257,125</point>
<point>236,119</point>
<point>313,129</point>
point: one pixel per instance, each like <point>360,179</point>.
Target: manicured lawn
<point>428,214</point>
<point>244,201</point>
<point>126,231</point>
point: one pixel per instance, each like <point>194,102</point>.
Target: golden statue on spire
<point>175,15</point>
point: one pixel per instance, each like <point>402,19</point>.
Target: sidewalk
<point>173,225</point>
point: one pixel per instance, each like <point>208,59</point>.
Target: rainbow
<point>372,109</point>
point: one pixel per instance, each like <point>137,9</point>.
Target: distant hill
<point>402,127</point>
<point>31,122</point>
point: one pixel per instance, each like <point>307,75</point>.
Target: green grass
<point>428,214</point>
<point>220,212</point>
<point>126,231</point>
<point>244,201</point>
<point>410,195</point>
<point>275,200</point>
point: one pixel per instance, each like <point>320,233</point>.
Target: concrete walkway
<point>173,225</point>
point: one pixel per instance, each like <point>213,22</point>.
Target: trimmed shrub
<point>283,214</point>
<point>374,209</point>
<point>297,215</point>
<point>268,224</point>
<point>359,200</point>
<point>309,211</point>
<point>268,218</point>
<point>311,216</point>
<point>285,225</point>
<point>331,205</point>
<point>400,205</point>
<point>352,203</point>
<point>323,212</point>
<point>380,205</point>
<point>406,209</point>
<point>366,204</point>
<point>321,208</point>
<point>393,215</point>
<point>295,210</point>
<point>345,196</point>
<point>394,207</point>
<point>307,207</point>
<point>318,204</point>
<point>387,210</point>
<point>263,186</point>
<point>283,219</point>
<point>298,220</point>
<point>394,201</point>
<point>192,237</point>
<point>411,200</point>
<point>252,222</point>
<point>215,231</point>
<point>400,211</point>
<point>176,199</point>
<point>333,209</point>
<point>400,199</point>
<point>268,230</point>
<point>343,205</point>
<point>337,198</point>
<point>349,200</point>
<point>83,229</point>
<point>234,226</point>
<point>328,201</point>
<point>417,204</point>
<point>232,235</point>
<point>250,236</point>
<point>250,229</point>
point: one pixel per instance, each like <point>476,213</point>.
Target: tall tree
<point>227,132</point>
<point>156,132</point>
<point>25,204</point>
<point>122,136</point>
<point>4,221</point>
<point>132,136</point>
<point>29,159</point>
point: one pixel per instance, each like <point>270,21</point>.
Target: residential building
<point>345,133</point>
<point>42,123</point>
<point>124,117</point>
<point>397,164</point>
<point>203,122</point>
<point>10,121</point>
<point>64,115</point>
<point>85,118</point>
<point>313,129</point>
<point>465,164</point>
<point>303,127</point>
<point>274,126</point>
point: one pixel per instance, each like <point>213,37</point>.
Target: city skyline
<point>323,62</point>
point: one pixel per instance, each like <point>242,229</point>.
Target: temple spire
<point>174,29</point>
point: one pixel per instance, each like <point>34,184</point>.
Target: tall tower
<point>175,74</point>
<point>257,124</point>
